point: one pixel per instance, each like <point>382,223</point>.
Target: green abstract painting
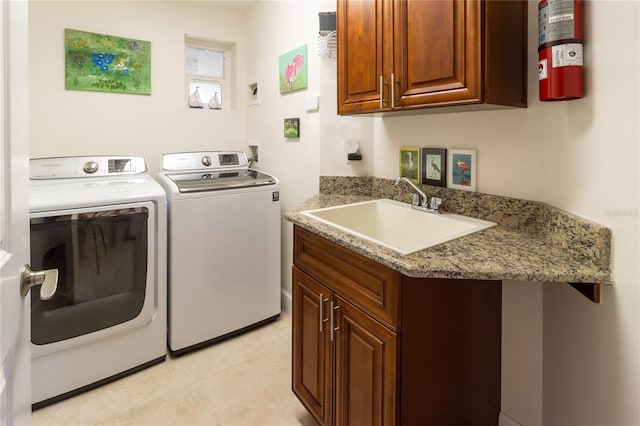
<point>105,63</point>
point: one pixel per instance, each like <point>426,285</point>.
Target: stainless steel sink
<point>396,225</point>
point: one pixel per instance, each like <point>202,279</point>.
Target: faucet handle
<point>415,199</point>
<point>435,203</point>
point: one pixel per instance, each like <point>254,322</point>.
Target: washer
<point>101,221</point>
<point>224,247</point>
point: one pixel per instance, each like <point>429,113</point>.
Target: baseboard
<point>505,420</point>
<point>285,300</point>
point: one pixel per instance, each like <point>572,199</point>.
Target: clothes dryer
<point>101,221</point>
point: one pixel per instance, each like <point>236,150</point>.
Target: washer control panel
<point>204,160</point>
<point>87,166</point>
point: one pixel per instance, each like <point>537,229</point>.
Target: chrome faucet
<point>415,201</point>
<point>419,200</point>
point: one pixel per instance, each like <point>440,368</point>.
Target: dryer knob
<point>90,167</point>
<point>206,160</point>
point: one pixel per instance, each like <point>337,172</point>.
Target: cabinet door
<point>364,33</point>
<point>365,381</point>
<point>312,360</point>
<point>437,58</point>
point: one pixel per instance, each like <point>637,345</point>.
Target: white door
<point>15,359</point>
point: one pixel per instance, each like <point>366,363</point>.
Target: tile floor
<point>242,381</point>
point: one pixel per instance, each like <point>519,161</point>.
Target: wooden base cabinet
<point>374,347</point>
<point>349,356</point>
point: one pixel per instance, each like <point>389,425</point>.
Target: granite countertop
<point>532,242</point>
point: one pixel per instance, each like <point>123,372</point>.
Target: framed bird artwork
<point>410,163</point>
<point>434,166</point>
<point>462,169</point>
<point>293,70</point>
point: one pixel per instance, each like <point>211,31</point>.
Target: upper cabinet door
<point>437,58</point>
<point>364,30</point>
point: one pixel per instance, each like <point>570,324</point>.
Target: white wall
<point>592,149</point>
<point>276,28</point>
<point>67,122</point>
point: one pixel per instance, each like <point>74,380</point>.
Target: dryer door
<point>103,261</point>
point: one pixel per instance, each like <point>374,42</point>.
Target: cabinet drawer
<point>370,286</point>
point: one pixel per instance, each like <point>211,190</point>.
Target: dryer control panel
<point>86,166</point>
<point>204,160</point>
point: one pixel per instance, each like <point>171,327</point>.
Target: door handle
<point>47,278</point>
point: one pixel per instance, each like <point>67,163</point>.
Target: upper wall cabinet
<point>399,55</point>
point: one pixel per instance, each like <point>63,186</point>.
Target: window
<point>208,73</point>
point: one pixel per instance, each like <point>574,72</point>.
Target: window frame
<point>225,83</point>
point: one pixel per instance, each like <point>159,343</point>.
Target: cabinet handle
<point>322,320</point>
<point>393,91</point>
<point>382,99</point>
<point>333,314</point>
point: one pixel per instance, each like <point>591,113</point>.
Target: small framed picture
<point>462,169</point>
<point>434,166</point>
<point>410,163</point>
<point>291,128</point>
